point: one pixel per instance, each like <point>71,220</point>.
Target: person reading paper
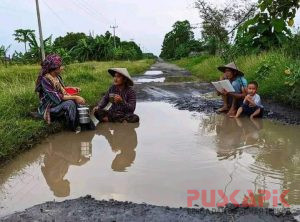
<point>232,99</point>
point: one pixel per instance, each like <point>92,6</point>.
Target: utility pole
<point>40,29</point>
<point>114,27</point>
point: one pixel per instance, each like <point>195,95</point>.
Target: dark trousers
<point>116,116</point>
<point>249,110</point>
<point>68,110</point>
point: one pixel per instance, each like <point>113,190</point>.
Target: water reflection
<point>64,151</point>
<point>235,134</point>
<point>274,148</point>
<point>122,139</point>
<point>191,150</point>
<point>70,149</point>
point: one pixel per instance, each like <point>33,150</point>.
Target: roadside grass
<point>268,69</point>
<point>17,98</point>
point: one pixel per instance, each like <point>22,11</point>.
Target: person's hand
<point>95,109</point>
<point>78,89</point>
<point>79,100</point>
<point>248,97</point>
<point>118,99</point>
<point>225,92</point>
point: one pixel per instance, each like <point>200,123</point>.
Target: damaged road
<point>190,96</point>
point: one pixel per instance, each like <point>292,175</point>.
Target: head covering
<point>123,71</point>
<point>231,66</point>
<point>51,62</point>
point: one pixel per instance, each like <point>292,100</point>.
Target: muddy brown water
<point>157,161</point>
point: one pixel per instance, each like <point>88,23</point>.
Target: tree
<point>218,23</point>
<point>23,35</point>
<point>270,27</point>
<point>33,54</point>
<point>68,41</point>
<point>181,34</point>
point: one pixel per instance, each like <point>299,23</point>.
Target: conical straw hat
<point>122,71</point>
<point>231,66</point>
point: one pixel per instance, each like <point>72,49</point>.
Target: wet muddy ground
<point>171,151</point>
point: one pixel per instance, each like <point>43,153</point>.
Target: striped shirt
<point>127,106</point>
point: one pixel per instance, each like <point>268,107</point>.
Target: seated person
<point>119,102</point>
<point>252,105</point>
<point>232,101</point>
<point>54,99</point>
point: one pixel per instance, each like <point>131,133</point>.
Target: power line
<point>92,9</point>
<point>55,14</point>
<point>90,12</point>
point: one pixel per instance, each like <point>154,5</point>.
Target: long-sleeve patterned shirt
<point>49,95</point>
<point>127,106</point>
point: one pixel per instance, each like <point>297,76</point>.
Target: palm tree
<point>23,35</point>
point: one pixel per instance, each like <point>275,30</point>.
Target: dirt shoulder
<point>89,209</point>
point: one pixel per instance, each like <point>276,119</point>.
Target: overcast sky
<point>144,21</point>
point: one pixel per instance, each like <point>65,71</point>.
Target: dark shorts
<point>248,110</point>
<point>117,116</point>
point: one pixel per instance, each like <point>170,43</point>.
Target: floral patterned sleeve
<point>53,95</point>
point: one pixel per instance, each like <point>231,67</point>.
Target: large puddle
<point>153,73</point>
<point>148,80</point>
<point>157,161</point>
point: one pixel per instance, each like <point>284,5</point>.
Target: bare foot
<point>223,109</point>
<point>233,116</point>
<point>231,112</point>
<point>105,119</point>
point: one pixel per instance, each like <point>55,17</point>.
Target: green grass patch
<point>17,97</point>
<point>268,69</point>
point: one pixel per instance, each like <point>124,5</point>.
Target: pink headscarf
<point>51,62</point>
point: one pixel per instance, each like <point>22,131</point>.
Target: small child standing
<point>252,105</point>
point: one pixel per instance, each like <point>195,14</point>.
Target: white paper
<point>223,85</point>
<point>218,86</point>
<point>107,107</point>
<point>227,85</point>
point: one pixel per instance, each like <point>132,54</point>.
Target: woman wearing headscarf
<point>54,99</point>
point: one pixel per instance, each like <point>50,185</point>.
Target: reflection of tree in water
<point>63,151</point>
<point>122,139</point>
<point>277,149</point>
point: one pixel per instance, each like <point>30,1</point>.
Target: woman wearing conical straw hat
<point>119,102</point>
<point>233,100</point>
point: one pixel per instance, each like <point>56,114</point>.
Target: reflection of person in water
<point>232,135</point>
<point>61,153</point>
<point>122,139</point>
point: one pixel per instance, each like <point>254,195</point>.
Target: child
<point>252,105</point>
